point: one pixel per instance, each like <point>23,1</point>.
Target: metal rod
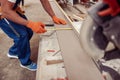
<point>12,27</point>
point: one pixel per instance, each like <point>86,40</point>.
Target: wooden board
<point>79,66</point>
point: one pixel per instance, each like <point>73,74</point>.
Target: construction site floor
<point>10,68</point>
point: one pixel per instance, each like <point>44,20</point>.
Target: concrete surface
<point>10,68</point>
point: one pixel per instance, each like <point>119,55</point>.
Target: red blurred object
<point>61,79</point>
<point>50,50</point>
<point>84,1</point>
<point>113,9</point>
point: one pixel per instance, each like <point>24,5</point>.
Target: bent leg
<point>21,45</point>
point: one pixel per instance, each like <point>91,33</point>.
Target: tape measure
<point>49,29</point>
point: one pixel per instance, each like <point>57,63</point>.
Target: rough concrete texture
<point>10,68</point>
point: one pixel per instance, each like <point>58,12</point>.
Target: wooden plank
<point>79,66</point>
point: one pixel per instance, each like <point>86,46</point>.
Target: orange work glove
<point>37,27</point>
<point>58,20</point>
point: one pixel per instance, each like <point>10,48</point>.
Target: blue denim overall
<point>21,36</point>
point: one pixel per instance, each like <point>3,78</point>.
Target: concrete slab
<point>10,68</point>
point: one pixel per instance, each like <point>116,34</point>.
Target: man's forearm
<point>15,18</point>
<point>47,7</point>
<point>10,14</point>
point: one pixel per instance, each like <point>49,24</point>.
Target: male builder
<point>15,24</point>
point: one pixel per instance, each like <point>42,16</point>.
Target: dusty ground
<point>10,68</point>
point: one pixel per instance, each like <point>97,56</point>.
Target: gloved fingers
<point>57,22</point>
<point>41,30</point>
<point>42,24</point>
<point>62,21</point>
<point>37,27</point>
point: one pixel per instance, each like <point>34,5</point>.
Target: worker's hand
<point>37,27</point>
<point>58,20</point>
<point>113,9</point>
